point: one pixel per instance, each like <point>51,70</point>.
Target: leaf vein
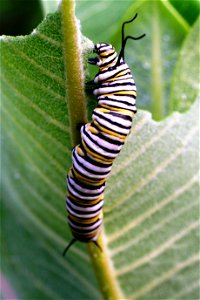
<point>153,210</point>
<point>32,105</point>
<point>159,169</point>
<point>37,66</point>
<point>51,41</point>
<point>157,227</point>
<point>164,277</point>
<point>158,251</point>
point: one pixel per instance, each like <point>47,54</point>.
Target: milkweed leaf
<point>151,200</point>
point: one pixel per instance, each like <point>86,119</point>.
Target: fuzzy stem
<point>77,114</point>
<point>73,69</point>
<point>104,269</point>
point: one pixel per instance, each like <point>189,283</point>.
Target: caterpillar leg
<point>80,125</point>
<point>93,60</point>
<point>69,245</point>
<point>98,246</point>
<point>90,82</point>
<point>74,240</point>
<point>90,86</point>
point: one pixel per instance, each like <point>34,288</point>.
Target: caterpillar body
<point>101,141</point>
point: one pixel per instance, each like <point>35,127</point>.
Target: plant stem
<point>75,97</point>
<point>156,76</point>
<point>104,270</point>
<point>77,113</point>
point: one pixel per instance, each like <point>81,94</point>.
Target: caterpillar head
<point>107,56</point>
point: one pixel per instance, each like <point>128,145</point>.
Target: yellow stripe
<point>101,215</point>
<point>122,111</point>
<point>97,157</point>
<point>122,73</point>
<point>93,130</point>
<point>77,201</point>
<point>105,53</point>
<point>79,150</point>
<point>106,67</point>
<point>115,108</point>
<point>88,181</point>
<point>82,220</point>
<point>125,93</point>
<point>111,133</point>
<point>118,75</point>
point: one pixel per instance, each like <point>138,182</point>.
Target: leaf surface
<point>151,215</point>
<point>185,86</point>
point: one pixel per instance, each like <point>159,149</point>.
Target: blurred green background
<point>19,17</point>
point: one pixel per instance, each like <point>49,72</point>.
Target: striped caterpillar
<point>101,141</point>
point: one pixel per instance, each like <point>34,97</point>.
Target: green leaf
<point>49,6</point>
<point>188,9</point>
<point>185,85</point>
<point>153,58</point>
<point>150,215</point>
<point>151,209</point>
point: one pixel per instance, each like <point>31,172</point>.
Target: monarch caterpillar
<point>101,141</point>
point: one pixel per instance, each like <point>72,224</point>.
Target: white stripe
<point>97,149</point>
<point>72,183</point>
<point>76,194</point>
<point>81,215</point>
<point>84,172</point>
<point>113,89</point>
<point>123,79</point>
<point>118,129</point>
<point>93,208</point>
<point>118,119</point>
<point>120,98</point>
<point>118,105</point>
<point>101,142</point>
<point>112,73</point>
<point>89,166</point>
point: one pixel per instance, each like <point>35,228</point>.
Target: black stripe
<point>123,117</point>
<point>90,170</point>
<point>109,85</point>
<point>82,203</point>
<point>99,145</point>
<point>102,137</point>
<point>114,69</point>
<point>81,212</point>
<point>112,130</point>
<point>116,101</point>
<point>110,97</point>
<point>83,224</point>
<point>92,178</point>
<point>92,161</point>
<point>109,54</point>
<point>99,154</point>
<point>85,186</point>
<point>74,190</point>
<point>110,140</point>
<point>108,62</point>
